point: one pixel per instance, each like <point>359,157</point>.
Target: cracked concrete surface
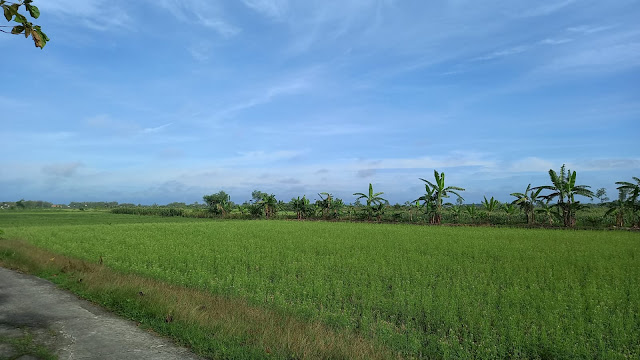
<point>73,328</point>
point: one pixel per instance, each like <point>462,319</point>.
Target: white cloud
<point>275,9</point>
<point>64,170</point>
<point>547,7</point>
<point>553,41</point>
<point>531,164</point>
<point>155,129</point>
<point>101,15</point>
<point>502,53</point>
<point>609,58</point>
<point>585,29</point>
<point>203,12</point>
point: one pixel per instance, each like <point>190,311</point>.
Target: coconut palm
<point>527,202</point>
<point>372,199</point>
<point>564,188</point>
<point>440,192</point>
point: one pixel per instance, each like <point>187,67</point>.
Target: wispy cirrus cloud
<point>206,13</point>
<point>275,9</point>
<point>100,15</point>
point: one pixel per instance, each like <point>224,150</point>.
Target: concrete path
<point>72,328</point>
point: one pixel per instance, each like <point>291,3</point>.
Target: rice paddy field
<point>415,291</point>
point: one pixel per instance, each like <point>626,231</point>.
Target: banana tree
<point>619,207</point>
<point>440,192</point>
<point>490,205</point>
<point>300,206</point>
<point>472,211</point>
<point>510,210</point>
<point>329,205</point>
<point>372,200</point>
<point>564,188</point>
<point>548,211</point>
<point>456,210</point>
<point>633,200</point>
<point>527,202</point>
<point>429,200</point>
<point>269,205</point>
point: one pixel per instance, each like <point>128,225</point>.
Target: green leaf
<point>17,29</point>
<point>34,11</point>
<point>20,19</point>
<point>7,13</point>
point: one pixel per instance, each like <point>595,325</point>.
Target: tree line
<point>555,202</point>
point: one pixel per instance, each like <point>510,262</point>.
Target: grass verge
<point>25,346</point>
<point>212,326</point>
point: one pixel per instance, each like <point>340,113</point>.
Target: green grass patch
<point>23,347</point>
<point>426,292</point>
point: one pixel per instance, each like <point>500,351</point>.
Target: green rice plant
<point>430,292</point>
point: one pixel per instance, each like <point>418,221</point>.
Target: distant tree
<point>602,195</point>
<point>548,211</point>
<point>20,203</point>
<point>218,203</point>
<point>429,202</point>
<point>372,199</point>
<point>472,211</point>
<point>564,188</point>
<point>11,12</point>
<point>257,196</point>
<point>441,191</point>
<point>490,205</point>
<point>269,204</point>
<point>527,202</point>
<point>302,207</point>
<point>620,207</point>
<point>633,189</point>
<point>510,210</point>
<point>456,210</point>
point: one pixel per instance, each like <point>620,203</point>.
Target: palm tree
<point>565,189</point>
<point>441,191</point>
<point>527,201</point>
<point>371,198</point>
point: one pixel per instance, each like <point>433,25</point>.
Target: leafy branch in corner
<point>11,12</point>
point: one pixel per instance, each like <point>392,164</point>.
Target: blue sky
<point>167,100</point>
